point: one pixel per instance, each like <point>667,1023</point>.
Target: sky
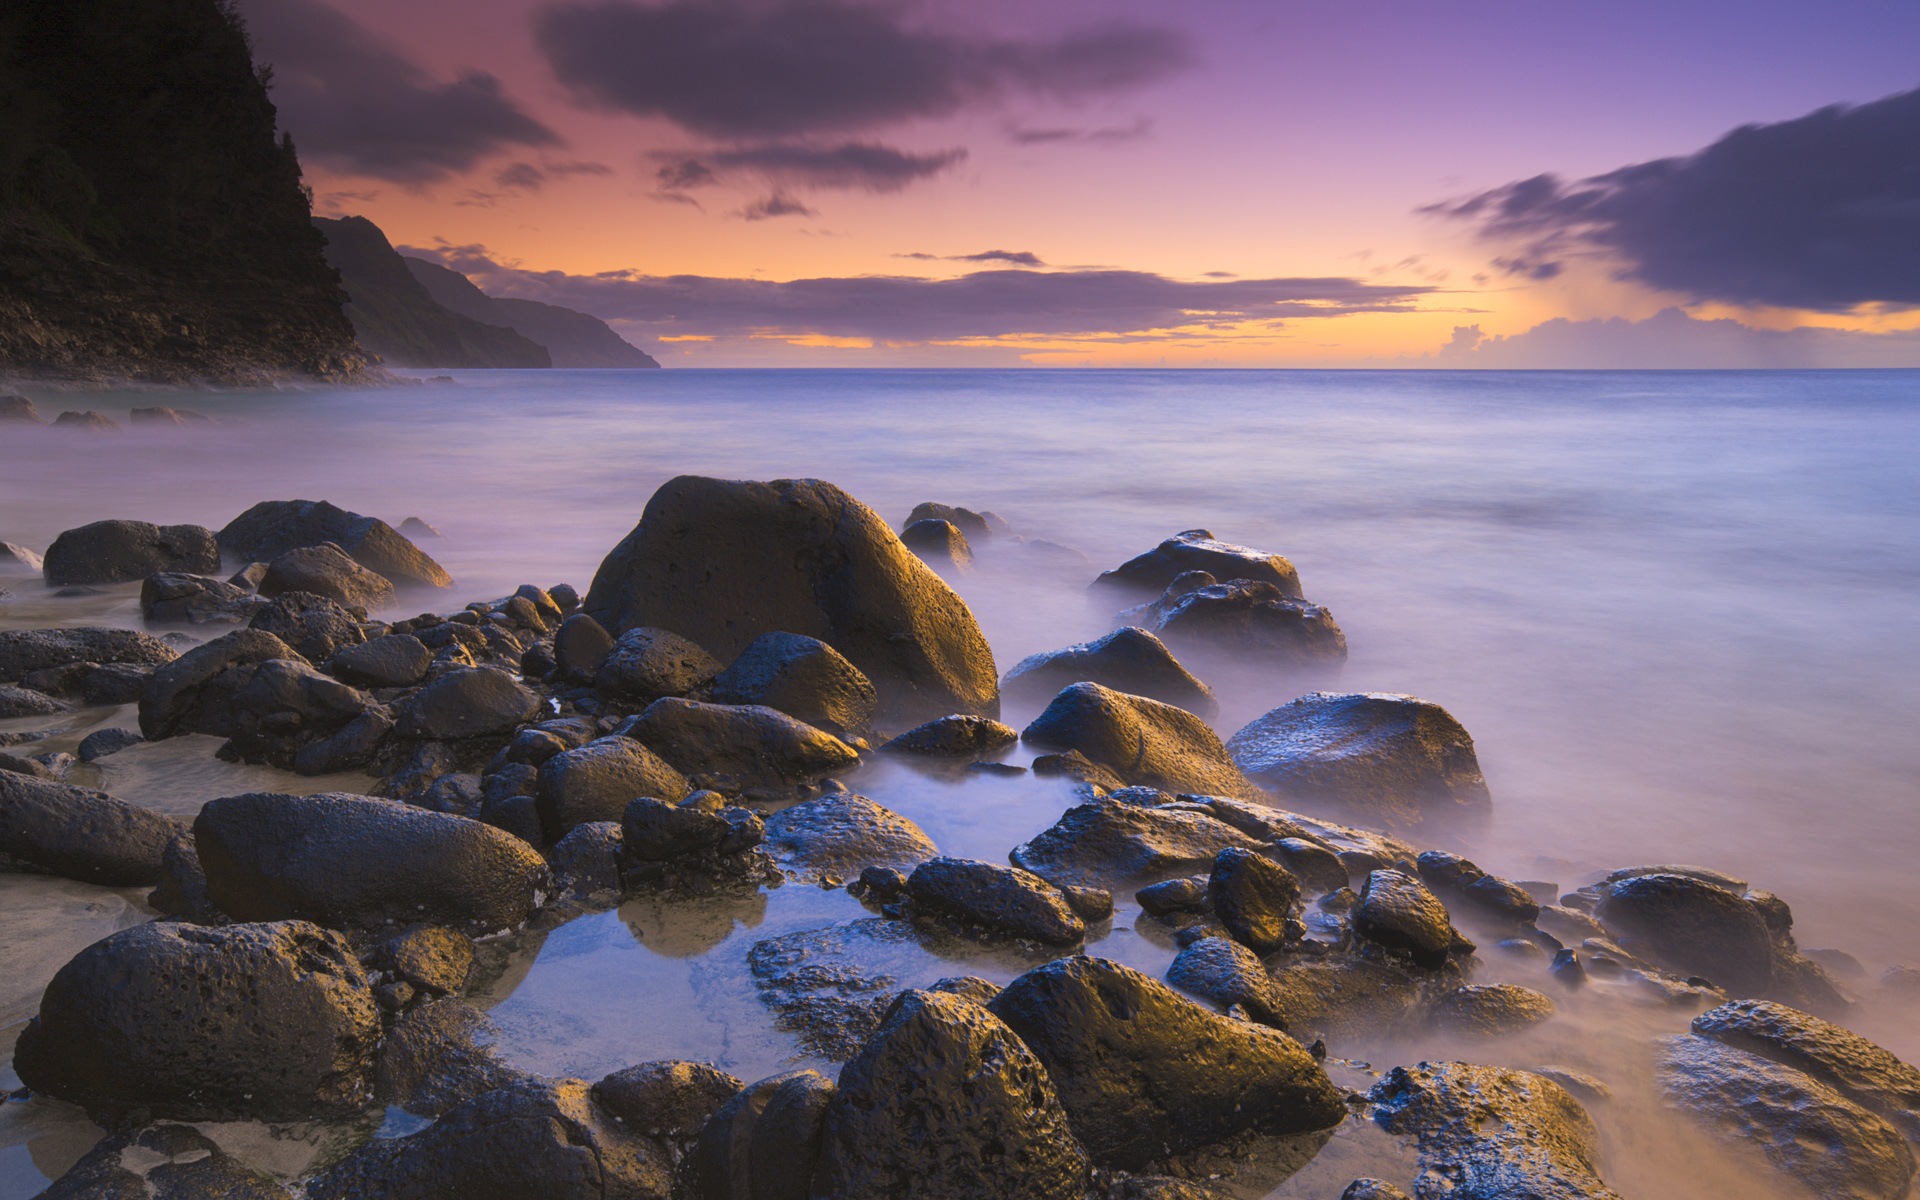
<point>1139,182</point>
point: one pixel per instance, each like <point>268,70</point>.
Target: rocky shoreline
<point>680,731</point>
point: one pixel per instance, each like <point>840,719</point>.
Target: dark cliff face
<point>573,338</point>
<point>151,225</point>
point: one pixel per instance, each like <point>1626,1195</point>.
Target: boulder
<point>1489,1010</point>
<point>667,1099</point>
<point>25,702</point>
<point>1866,1073</point>
<point>390,661</point>
<point>1225,973</point>
<point>831,987</point>
<point>1142,741</point>
<point>580,645</point>
<point>954,737</point>
<point>587,859</point>
<point>1380,756</point>
<point>840,834</point>
<point>281,707</point>
<point>1113,842</point>
<point>1806,1130</point>
<point>126,1024</point>
<point>326,570</point>
<point>1253,896</point>
<point>1129,660</point>
<point>1492,1132</point>
<point>1254,622</point>
<point>414,527</point>
<point>191,694</point>
<point>1401,913</point>
<point>645,664</point>
<point>273,527</point>
<point>86,421</point>
<point>352,747</point>
<point>161,415</point>
<point>979,527</point>
<point>15,407</point>
<point>81,834</point>
<point>700,838</point>
<point>314,625</point>
<point>595,782</point>
<point>762,1143</point>
<point>162,1162</point>
<point>802,677</point>
<point>739,747</point>
<point>1000,901</point>
<point>102,742</point>
<point>1692,927</point>
<point>1145,1073</point>
<point>724,562</point>
<point>179,598</point>
<point>429,958</point>
<point>938,543</point>
<point>437,1055</point>
<point>18,560</point>
<point>1349,1000</point>
<point>945,1103</point>
<point>1199,550</point>
<point>472,702</point>
<point>359,862</point>
<point>123,551</point>
<point>24,651</point>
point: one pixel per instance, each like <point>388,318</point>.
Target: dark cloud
<point>357,104</point>
<point>1108,134</point>
<point>787,67</point>
<point>1672,340</point>
<point>682,174</point>
<point>899,309</point>
<point>867,166</point>
<point>1820,212</point>
<point>1018,258</point>
<point>777,204</point>
<point>522,175</point>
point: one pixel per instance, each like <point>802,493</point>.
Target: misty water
<point>1676,611</point>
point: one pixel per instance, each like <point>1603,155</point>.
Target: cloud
<point>867,166</point>
<point>527,177</point>
<point>1820,212</point>
<point>985,304</point>
<point>777,204</point>
<point>356,103</point>
<point>1672,340</point>
<point>1102,135</point>
<point>733,69</point>
<point>1018,258</point>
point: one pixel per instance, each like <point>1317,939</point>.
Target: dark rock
<point>161,415</point>
<point>123,551</point>
<point>326,570</point>
<point>102,742</point>
<point>355,861</point>
<point>314,625</point>
<point>945,1103</point>
<point>1318,868</point>
<point>1251,621</point>
<point>177,598</point>
<point>1225,973</point>
<point>126,1025</point>
<point>938,543</point>
<point>1372,1189</point>
<point>25,702</point>
<point>724,562</point>
<point>645,664</point>
<point>113,683</point>
<point>439,1054</point>
<point>762,1144</point>
<point>1092,903</point>
<point>1865,1072</point>
<point>1174,895</point>
<point>475,702</point>
<point>393,660</point>
<point>86,421</point>
<point>1719,879</point>
<point>831,987</point>
<point>839,834</point>
<point>1568,924</point>
<point>595,782</point>
<point>739,747</point>
<point>879,885</point>
<point>162,1162</point>
<point>273,527</point>
<point>1112,842</point>
<point>1253,896</point>
<point>414,527</point>
<point>701,826</point>
<point>1492,1132</point>
<point>1399,912</point>
<point>1348,999</point>
<point>434,959</point>
<point>282,707</point>
<point>1199,550</point>
<point>587,859</point>
<point>954,737</point>
<point>15,407</point>
<point>973,525</point>
<point>666,1099</point>
<point>580,646</point>
<point>81,834</point>
<point>24,651</point>
<point>191,694</point>
<point>1385,757</point>
<point>533,1137</point>
<point>249,576</point>
<point>1078,767</point>
<point>1692,927</point>
<point>1001,901</point>
<point>804,678</point>
<point>1145,1073</point>
<point>1807,1131</point>
<point>1565,967</point>
<point>1142,741</point>
<point>1490,1010</point>
<point>1129,660</point>
<point>182,890</point>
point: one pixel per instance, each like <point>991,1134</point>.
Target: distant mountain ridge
<point>572,338</point>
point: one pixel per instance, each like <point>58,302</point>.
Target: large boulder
<point>162,1162</point>
<point>465,703</point>
<point>392,660</point>
<point>193,693</point>
<point>738,747</point>
<point>1112,842</point>
<point>945,1103</point>
<point>1129,660</point>
<point>841,834</point>
<point>1868,1074</point>
<point>259,1022</point>
<point>645,664</point>
<point>1142,741</point>
<point>1251,622</point>
<point>123,551</point>
<point>999,901</point>
<point>957,736</point>
<point>1146,1073</point>
<point>273,527</point>
<point>284,706</point>
<point>24,651</point>
<point>1379,756</point>
<point>356,861</point>
<point>326,570</point>
<point>1693,927</point>
<point>762,1143</point>
<point>597,781</point>
<point>1199,550</point>
<point>723,562</point>
<point>179,598</point>
<point>81,834</point>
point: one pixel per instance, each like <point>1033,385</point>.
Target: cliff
<point>573,338</point>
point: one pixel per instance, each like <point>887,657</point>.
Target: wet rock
<point>1490,1010</point>
<point>123,551</point>
<point>86,421</point>
<point>1174,895</point>
<point>273,527</point>
<point>1692,927</point>
<point>739,747</point>
<point>579,648</point>
<point>178,598</point>
<point>1568,924</point>
<point>25,702</point>
<point>356,862</point>
<point>1399,912</point>
<point>1384,757</point>
<point>587,860</point>
<point>1253,621</point>
<point>390,661</point>
<point>1129,660</point>
<point>699,838</point>
<point>1092,903</point>
<point>434,959</point>
<point>316,626</point>
<point>1805,1129</point>
<point>762,1144</point>
<point>474,702</point>
<point>162,1162</point>
<point>24,651</point>
<point>1145,1073</point>
<point>533,1137</point>
<point>1866,1073</point>
<point>945,1103</point>
<point>975,526</point>
<point>125,1024</point>
<point>667,1099</point>
<point>1143,741</point>
<point>283,706</point>
<point>999,901</point>
<point>840,834</point>
<point>1113,842</point>
<point>326,570</point>
<point>81,834</point>
<point>1347,999</point>
<point>645,664</point>
<point>437,1055</point>
<point>830,987</point>
<point>1492,1132</point>
<point>804,678</point>
<point>595,782</point>
<point>1199,550</point>
<point>1719,879</point>
<point>1253,896</point>
<point>1078,767</point>
<point>939,543</point>
<point>102,742</point>
<point>1493,898</point>
<point>191,694</point>
<point>724,562</point>
<point>1317,866</point>
<point>1225,973</point>
<point>954,737</point>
